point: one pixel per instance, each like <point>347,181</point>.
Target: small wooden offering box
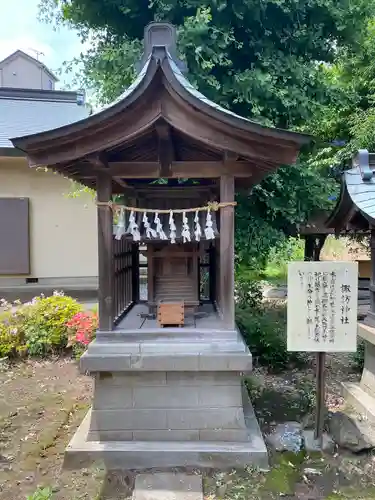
<point>171,314</point>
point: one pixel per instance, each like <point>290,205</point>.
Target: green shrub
<point>12,339</point>
<point>248,293</point>
<point>37,327</point>
<point>358,357</point>
<point>264,331</point>
<point>45,323</point>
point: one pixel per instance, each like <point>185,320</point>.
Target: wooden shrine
<point>173,274</point>
<point>166,395</point>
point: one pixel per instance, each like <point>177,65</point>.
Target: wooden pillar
<point>313,246</point>
<point>105,249</point>
<point>227,251</point>
<point>135,272</point>
<point>309,247</point>
<point>212,273</point>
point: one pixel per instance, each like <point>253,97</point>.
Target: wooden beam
<point>210,169</point>
<point>135,170</point>
<point>179,169</point>
<point>229,157</point>
<point>100,164</point>
<point>105,249</point>
<point>227,252</point>
<point>166,151</point>
<point>99,161</point>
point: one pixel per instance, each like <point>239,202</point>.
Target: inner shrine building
<point>168,360</point>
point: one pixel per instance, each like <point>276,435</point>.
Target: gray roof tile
<point>20,117</point>
<point>362,193</point>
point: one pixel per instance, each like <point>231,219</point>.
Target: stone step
<point>362,401</point>
<point>167,486</point>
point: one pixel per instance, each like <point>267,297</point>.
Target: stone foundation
<point>169,406</point>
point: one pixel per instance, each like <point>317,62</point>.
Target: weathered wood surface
<point>226,243</point>
<point>171,313</point>
<point>105,253</point>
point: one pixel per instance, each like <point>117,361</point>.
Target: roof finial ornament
<point>160,34</point>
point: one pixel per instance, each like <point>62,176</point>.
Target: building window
<point>15,239</point>
<point>50,85</point>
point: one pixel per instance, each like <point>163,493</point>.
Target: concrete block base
<point>143,455</point>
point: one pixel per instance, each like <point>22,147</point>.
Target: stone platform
<point>362,396</point>
<point>175,402</point>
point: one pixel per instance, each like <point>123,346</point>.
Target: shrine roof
<point>355,209</point>
<point>162,111</point>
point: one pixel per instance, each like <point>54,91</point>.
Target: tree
<point>269,60</point>
<point>350,116</point>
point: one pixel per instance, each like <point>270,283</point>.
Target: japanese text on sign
<point>322,306</point>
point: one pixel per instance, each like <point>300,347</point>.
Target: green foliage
<point>10,343</point>
<point>291,249</point>
<point>261,58</point>
<point>358,357</point>
<point>41,494</point>
<point>350,116</point>
<point>248,293</point>
<point>45,323</point>
<point>12,338</point>
<point>37,327</point>
<point>264,331</point>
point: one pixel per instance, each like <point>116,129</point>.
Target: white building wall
<point>23,73</point>
<point>63,230</point>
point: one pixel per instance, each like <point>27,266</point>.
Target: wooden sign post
<point>322,315</point>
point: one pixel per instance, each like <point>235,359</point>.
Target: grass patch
<point>284,474</point>
<point>41,494</point>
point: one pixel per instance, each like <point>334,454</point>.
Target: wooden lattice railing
<point>125,282</point>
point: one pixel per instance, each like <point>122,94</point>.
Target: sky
<point>21,29</point>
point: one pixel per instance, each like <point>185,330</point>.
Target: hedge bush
<point>264,331</point>
<point>263,327</point>
<point>42,326</point>
<point>81,328</point>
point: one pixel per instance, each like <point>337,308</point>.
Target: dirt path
<point>41,404</point>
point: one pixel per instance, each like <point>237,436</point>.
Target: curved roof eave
<point>355,193</point>
<point>361,192</point>
<point>186,90</point>
<point>336,220</point>
<point>160,57</point>
<point>139,85</point>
